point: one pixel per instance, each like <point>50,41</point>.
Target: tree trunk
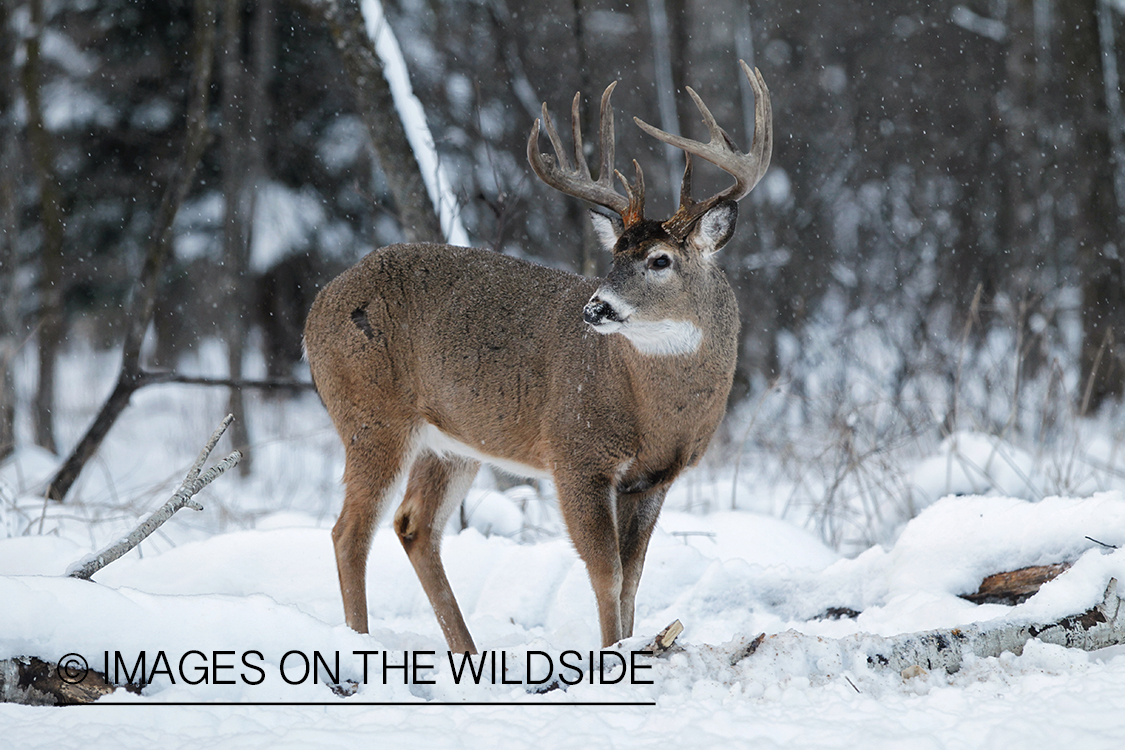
<point>1090,177</point>
<point>9,341</point>
<point>417,216</point>
<point>235,217</point>
<point>590,250</point>
<point>143,301</point>
<point>51,323</point>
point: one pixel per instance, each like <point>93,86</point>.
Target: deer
<point>431,359</point>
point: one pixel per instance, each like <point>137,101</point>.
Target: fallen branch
<point>192,484</point>
<point>665,639</point>
<point>1010,588</point>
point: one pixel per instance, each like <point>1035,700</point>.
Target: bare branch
<point>191,486</point>
<point>266,384</point>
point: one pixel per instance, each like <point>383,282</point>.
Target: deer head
<point>656,264</point>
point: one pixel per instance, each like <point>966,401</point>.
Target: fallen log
<point>1015,586</point>
<point>33,682</point>
<point>1099,627</point>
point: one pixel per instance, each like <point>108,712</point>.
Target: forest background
<point>935,248</point>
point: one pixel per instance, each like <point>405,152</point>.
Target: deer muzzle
<point>599,313</point>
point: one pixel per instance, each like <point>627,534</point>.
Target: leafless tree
<point>237,212</point>
<point>52,325</point>
<point>143,300</point>
<point>9,340</point>
<point>364,70</point>
<point>1099,222</point>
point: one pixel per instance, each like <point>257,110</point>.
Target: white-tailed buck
<point>431,359</point>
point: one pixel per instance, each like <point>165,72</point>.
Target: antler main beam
<point>576,180</point>
<point>747,169</point>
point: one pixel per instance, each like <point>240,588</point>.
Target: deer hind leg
<point>586,507</point>
<point>376,458</point>
<point>636,518</point>
<point>436,487</point>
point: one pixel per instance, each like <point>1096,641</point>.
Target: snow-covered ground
<point>249,585</point>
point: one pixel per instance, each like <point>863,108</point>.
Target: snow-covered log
<point>1100,627</point>
<point>189,488</point>
<point>33,682</point>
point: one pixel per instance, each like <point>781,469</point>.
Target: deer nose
<point>598,311</point>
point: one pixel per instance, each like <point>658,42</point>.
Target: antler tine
<point>747,169</point>
<point>718,135</point>
<point>761,148</point>
<point>556,142</point>
<point>636,192</point>
<point>685,183</point>
<point>606,139</point>
<point>576,128</point>
<point>558,172</point>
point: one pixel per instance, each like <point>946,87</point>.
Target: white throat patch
<point>656,338</point>
<point>662,338</point>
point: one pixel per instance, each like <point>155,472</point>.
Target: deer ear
<point>714,228</point>
<point>607,228</point>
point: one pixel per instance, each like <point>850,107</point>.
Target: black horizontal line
<point>419,704</point>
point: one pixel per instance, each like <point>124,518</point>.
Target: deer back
<point>494,353</point>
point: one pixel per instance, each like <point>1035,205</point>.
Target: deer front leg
<point>586,505</point>
<point>636,518</point>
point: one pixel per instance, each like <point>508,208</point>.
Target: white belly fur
<point>436,441</point>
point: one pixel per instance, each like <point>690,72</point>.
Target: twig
<point>192,484</point>
<point>1107,342</point>
<point>685,534</point>
<point>974,312</point>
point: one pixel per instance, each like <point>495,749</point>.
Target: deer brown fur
<point>431,359</point>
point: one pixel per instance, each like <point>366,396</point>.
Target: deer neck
<point>678,392</point>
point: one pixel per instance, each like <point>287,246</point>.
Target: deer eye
<point>659,261</point>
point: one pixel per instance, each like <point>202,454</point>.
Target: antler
<point>747,168</point>
<point>559,174</point>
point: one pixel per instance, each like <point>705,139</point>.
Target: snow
<point>250,584</point>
